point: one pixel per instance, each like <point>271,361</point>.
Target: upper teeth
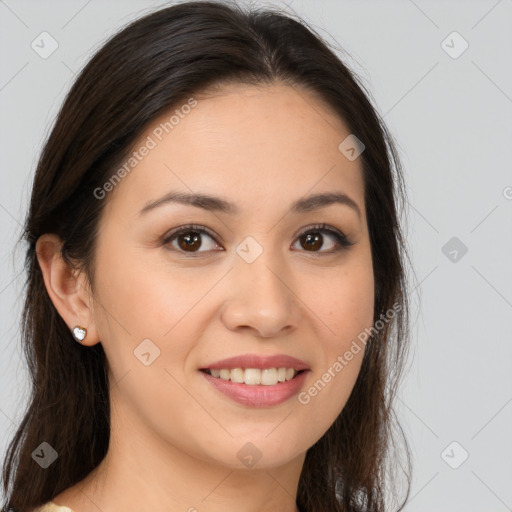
<point>254,376</point>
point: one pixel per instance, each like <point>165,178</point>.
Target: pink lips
<point>258,395</point>
<point>262,362</point>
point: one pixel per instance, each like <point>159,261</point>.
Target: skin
<point>174,437</point>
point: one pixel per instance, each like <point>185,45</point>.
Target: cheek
<point>141,302</point>
<point>148,299</point>
<point>155,398</point>
<point>345,304</point>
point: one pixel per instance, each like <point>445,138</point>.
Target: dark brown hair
<point>149,67</point>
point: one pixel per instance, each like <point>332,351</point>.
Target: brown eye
<point>194,239</point>
<point>312,241</point>
<point>316,237</point>
<point>190,239</point>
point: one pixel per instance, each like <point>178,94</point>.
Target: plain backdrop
<point>441,75</point>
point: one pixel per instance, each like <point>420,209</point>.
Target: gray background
<point>452,118</point>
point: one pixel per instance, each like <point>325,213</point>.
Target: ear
<point>69,292</point>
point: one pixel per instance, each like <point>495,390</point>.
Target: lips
<point>257,361</point>
<point>257,381</point>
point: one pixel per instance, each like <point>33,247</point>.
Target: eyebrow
<point>217,204</point>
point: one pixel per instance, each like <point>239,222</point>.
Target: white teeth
<point>237,375</point>
<point>269,376</point>
<point>255,376</point>
<point>252,376</point>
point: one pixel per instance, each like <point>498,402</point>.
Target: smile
<point>263,387</point>
<point>254,376</point>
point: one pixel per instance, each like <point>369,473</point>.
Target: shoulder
<point>50,506</point>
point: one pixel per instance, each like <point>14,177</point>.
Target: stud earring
<point>79,333</point>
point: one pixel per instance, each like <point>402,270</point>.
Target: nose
<point>261,298</point>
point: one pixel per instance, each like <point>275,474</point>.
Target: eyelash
<point>341,239</point>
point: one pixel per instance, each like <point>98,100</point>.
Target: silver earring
<point>79,333</point>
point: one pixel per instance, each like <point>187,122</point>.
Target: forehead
<point>252,143</point>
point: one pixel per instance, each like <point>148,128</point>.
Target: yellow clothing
<point>52,507</point>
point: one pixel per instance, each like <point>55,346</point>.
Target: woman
<point>216,314</point>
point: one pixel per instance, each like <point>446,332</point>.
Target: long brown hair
<point>143,71</point>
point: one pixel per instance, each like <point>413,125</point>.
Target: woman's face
<point>169,306</point>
